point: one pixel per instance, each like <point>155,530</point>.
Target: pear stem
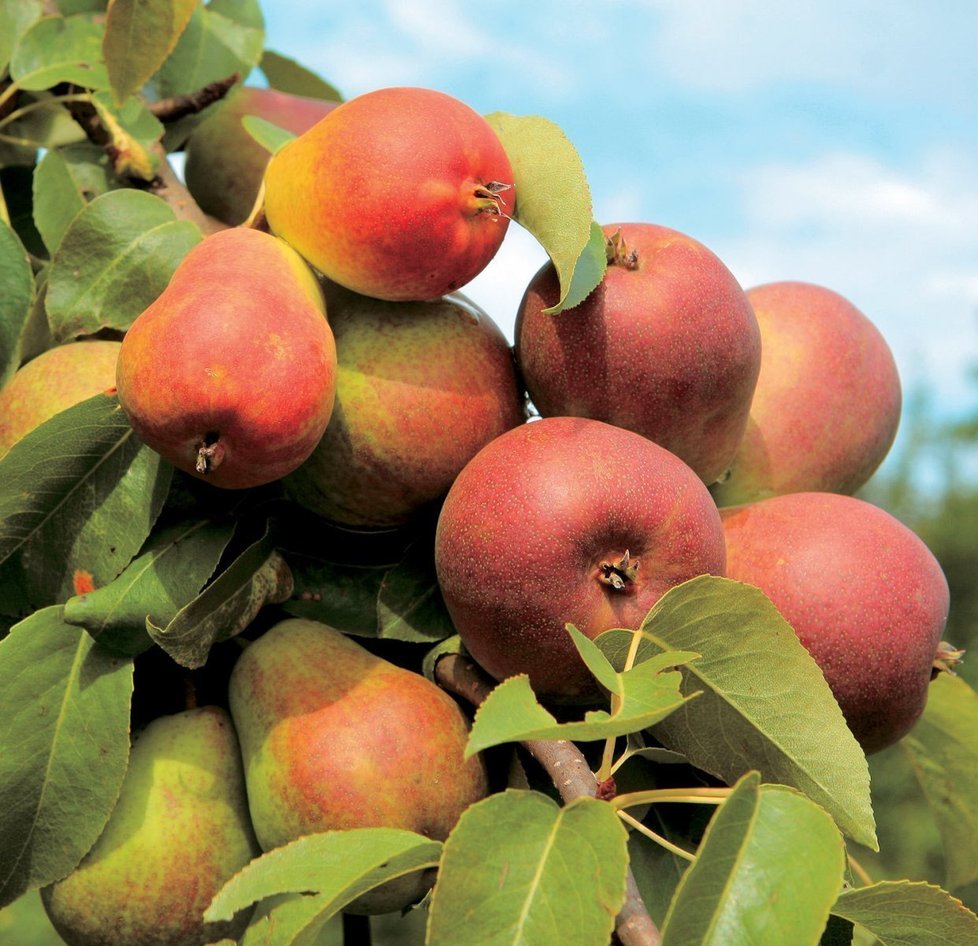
<point>572,777</point>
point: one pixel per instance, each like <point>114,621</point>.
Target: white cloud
<point>902,245</point>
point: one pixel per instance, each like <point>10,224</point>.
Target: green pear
<point>178,832</point>
<point>334,737</point>
<point>52,382</point>
<point>225,164</point>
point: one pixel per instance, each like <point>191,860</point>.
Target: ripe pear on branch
<point>231,373</point>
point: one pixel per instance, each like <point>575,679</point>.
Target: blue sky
<point>832,141</point>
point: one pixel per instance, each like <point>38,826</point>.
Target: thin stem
<point>43,103</point>
<point>571,775</point>
<point>691,796</point>
<point>8,93</point>
<point>4,212</point>
<point>608,765</point>
<point>653,836</point>
<point>860,871</point>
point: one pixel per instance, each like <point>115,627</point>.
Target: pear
<point>225,164</point>
<point>178,832</point>
<point>230,374</point>
<point>52,382</point>
<point>334,737</point>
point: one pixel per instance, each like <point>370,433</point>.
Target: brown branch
<point>170,188</point>
<point>179,106</point>
<point>572,776</point>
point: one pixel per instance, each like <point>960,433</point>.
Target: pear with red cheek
<point>421,387</point>
<point>401,193</point>
<point>52,382</point>
<point>231,373</point>
<point>863,593</point>
<point>567,520</point>
<point>334,737</point>
<point>666,346</point>
<point>225,165</point>
<point>827,404</point>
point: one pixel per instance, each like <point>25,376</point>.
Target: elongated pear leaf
<point>65,180</point>
<point>133,131</point>
<point>764,705</point>
<point>338,866</point>
<point>78,497</point>
<point>279,920</point>
<point>64,748</point>
<point>906,913</point>
<point>16,16</point>
<point>943,750</point>
<point>553,201</point>
<point>162,579</point>
<point>287,75</point>
<point>60,49</point>
<point>409,602</point>
<point>269,135</point>
<point>258,576</point>
<point>221,38</point>
<point>17,280</point>
<point>768,871</point>
<point>115,258</point>
<point>518,869</point>
<point>645,695</point>
<point>139,35</point>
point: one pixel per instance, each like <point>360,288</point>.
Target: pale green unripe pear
<point>178,832</point>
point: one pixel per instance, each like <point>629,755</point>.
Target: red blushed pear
<point>827,404</point>
<point>401,193</point>
<point>421,387</point>
<point>53,381</point>
<point>864,594</point>
<point>334,737</point>
<point>666,346</point>
<point>567,520</point>
<point>231,373</point>
<point>225,165</point>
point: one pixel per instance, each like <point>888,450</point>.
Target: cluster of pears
<point>321,735</point>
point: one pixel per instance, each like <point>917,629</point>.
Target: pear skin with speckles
<point>230,374</point>
<point>178,832</point>
<point>335,737</point>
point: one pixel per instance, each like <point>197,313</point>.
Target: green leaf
<point>409,602</point>
<point>519,869</point>
<point>269,135</point>
<point>258,576</point>
<point>278,920</point>
<point>221,38</point>
<point>645,694</point>
<point>17,280</point>
<point>764,705</point>
<point>64,747</point>
<point>60,49</point>
<point>134,131</point>
<point>167,575</point>
<point>342,596</point>
<point>139,35</point>
<point>78,496</point>
<point>553,202</point>
<point>905,913</point>
<point>286,75</point>
<point>15,17</point>
<point>338,866</point>
<point>65,180</point>
<point>943,750</point>
<point>767,873</point>
<point>115,258</point>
